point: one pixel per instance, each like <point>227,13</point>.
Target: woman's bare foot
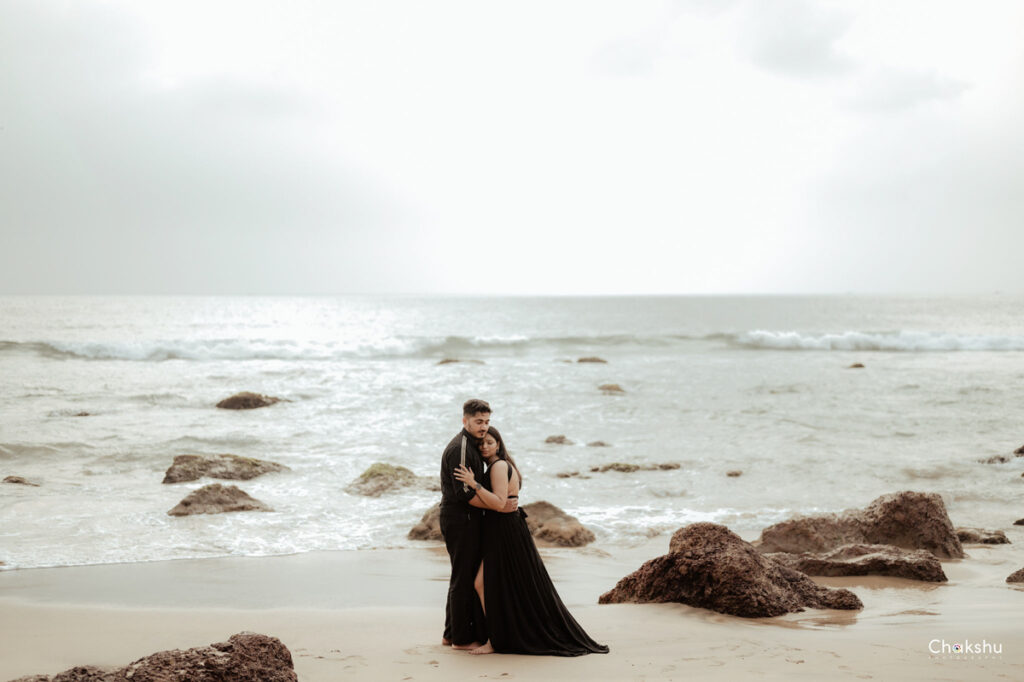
<point>464,647</point>
<point>485,649</point>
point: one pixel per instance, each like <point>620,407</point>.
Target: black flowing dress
<point>524,612</point>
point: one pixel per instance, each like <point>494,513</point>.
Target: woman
<point>524,613</point>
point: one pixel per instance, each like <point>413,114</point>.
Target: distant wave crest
<point>903,341</point>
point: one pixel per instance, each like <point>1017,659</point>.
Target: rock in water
<point>1016,577</point>
<point>247,401</point>
<point>429,527</point>
<point>381,478</point>
<point>611,388</point>
<point>558,440</point>
<point>594,359</point>
<point>982,536</point>
<point>215,499</point>
<point>18,480</point>
<point>905,519</point>
<point>711,567</point>
<point>548,523</point>
<point>885,560</point>
<point>245,657</point>
<point>598,444</point>
<point>229,467</point>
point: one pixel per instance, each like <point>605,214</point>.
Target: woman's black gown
<point>524,612</point>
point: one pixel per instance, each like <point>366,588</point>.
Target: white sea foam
<point>903,341</point>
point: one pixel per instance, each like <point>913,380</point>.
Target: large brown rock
<point>215,499</point>
<point>381,478</point>
<point>905,519</point>
<point>550,524</point>
<point>885,560</point>
<point>18,480</point>
<point>429,527</point>
<point>711,567</point>
<point>245,657</point>
<point>228,467</point>
<point>1016,577</point>
<point>547,523</point>
<point>247,400</point>
<point>982,536</point>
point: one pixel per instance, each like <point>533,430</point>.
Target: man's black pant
<point>463,615</point>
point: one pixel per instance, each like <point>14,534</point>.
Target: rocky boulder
<point>247,401</point>
<point>216,499</point>
<point>1016,577</point>
<point>382,478</point>
<point>735,473</point>
<point>593,359</point>
<point>711,567</point>
<point>856,365</point>
<point>558,440</point>
<point>229,467</point>
<point>598,444</point>
<point>981,536</point>
<point>429,527</point>
<point>885,560</point>
<point>550,524</point>
<point>1019,451</point>
<point>905,519</point>
<point>18,480</point>
<point>1019,522</point>
<point>245,657</point>
<point>611,388</point>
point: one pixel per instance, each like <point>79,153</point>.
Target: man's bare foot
<point>485,649</point>
<point>464,647</point>
<point>445,641</point>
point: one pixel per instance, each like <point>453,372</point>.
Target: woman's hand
<point>464,475</point>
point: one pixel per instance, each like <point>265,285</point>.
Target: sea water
<point>759,384</point>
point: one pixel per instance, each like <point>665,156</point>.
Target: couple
<point>500,593</point>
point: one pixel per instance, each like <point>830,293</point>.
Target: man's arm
<point>452,458</point>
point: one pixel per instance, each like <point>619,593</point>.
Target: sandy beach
<point>378,615</point>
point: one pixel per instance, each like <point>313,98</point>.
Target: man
<point>462,528</point>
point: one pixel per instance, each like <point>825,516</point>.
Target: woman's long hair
<point>503,452</point>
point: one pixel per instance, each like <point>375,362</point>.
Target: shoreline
<point>378,615</point>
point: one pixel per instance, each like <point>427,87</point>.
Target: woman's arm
<point>499,482</point>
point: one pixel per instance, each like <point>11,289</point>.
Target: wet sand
<point>379,614</point>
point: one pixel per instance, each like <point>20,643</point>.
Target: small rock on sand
<point>247,400</point>
<point>982,536</point>
<point>216,499</point>
<point>244,657</point>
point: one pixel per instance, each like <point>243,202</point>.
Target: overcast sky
<point>511,147</point>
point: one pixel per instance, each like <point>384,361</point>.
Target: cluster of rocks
<point>547,523</point>
<point>216,498</point>
<point>245,657</point>
<point>902,534</point>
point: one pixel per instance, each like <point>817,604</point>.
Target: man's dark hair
<point>475,406</point>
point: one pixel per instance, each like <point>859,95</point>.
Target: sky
<point>555,147</point>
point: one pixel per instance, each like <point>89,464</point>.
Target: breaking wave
<point>913,342</point>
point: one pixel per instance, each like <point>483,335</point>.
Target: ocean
<point>759,384</point>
